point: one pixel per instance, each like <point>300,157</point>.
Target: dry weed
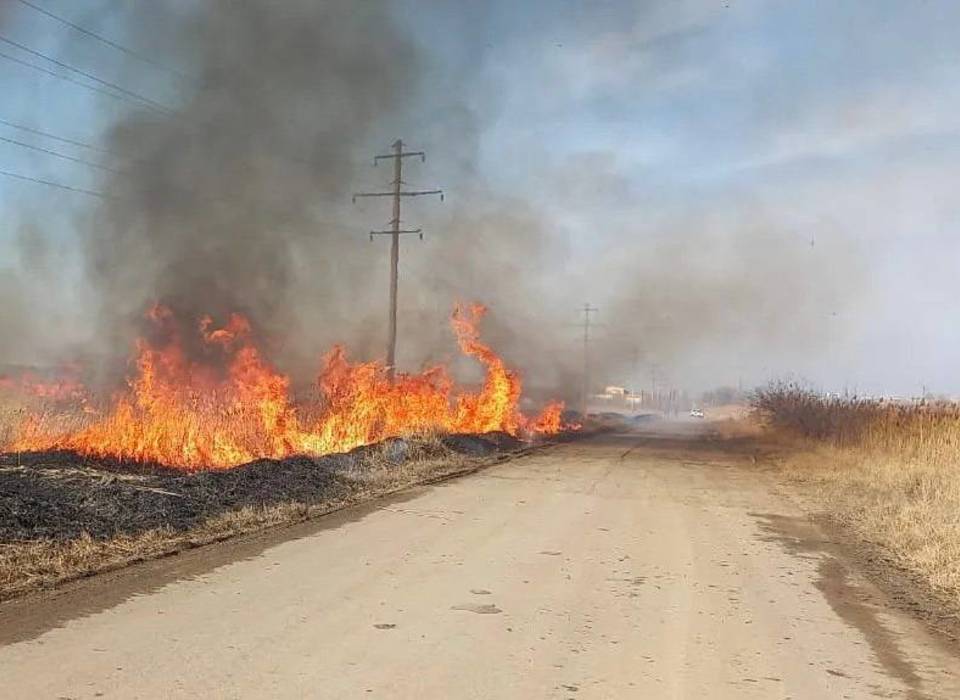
<point>890,471</point>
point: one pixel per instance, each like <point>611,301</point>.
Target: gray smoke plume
<point>241,201</point>
<point>724,298</point>
<point>238,199</point>
<point>237,202</point>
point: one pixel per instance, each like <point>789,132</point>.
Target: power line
<point>48,135</point>
<point>127,95</point>
<point>58,185</point>
<point>165,111</point>
<point>41,149</point>
<point>119,88</point>
<point>61,77</point>
<point>101,39</point>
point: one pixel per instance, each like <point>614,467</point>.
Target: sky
<point>746,189</point>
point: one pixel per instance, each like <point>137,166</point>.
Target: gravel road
<point>625,565</point>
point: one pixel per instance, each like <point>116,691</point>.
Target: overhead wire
<point>58,185</point>
<point>47,134</point>
<point>124,93</point>
<point>127,95</point>
<point>102,39</point>
<point>14,59</point>
<point>119,88</point>
<point>114,91</point>
<point>57,154</point>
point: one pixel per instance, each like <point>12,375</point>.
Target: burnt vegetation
<point>64,516</point>
<point>61,495</point>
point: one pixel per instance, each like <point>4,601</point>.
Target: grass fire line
<point>186,414</point>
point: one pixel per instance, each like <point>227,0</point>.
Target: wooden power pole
<point>587,310</point>
<point>397,192</point>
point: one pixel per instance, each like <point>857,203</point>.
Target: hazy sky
<point>746,189</point>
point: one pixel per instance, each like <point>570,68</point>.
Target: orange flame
<point>63,387</point>
<point>183,414</point>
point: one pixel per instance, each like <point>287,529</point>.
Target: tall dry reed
<point>889,470</point>
<point>917,429</point>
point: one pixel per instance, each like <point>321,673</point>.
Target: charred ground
<point>59,495</point>
<point>64,516</point>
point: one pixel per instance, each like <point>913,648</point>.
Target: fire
<point>182,413</point>
<point>65,387</point>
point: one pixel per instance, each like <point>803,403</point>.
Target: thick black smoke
<point>238,201</point>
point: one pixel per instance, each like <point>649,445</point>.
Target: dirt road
<point>623,566</point>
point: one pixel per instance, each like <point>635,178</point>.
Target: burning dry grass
<point>82,485</point>
<point>888,471</point>
<point>59,521</point>
<point>226,404</point>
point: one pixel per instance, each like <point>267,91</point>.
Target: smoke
<point>241,201</point>
<point>721,298</point>
<point>33,324</point>
<point>238,200</point>
<point>702,285</point>
<point>20,331</point>
<point>504,252</point>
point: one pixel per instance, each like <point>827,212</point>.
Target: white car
<point>696,413</point>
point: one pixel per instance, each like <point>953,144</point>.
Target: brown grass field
<point>888,471</point>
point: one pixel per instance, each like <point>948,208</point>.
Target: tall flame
<point>182,413</point>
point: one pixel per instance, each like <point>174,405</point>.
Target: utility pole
<point>653,384</point>
<point>587,310</point>
<point>394,232</point>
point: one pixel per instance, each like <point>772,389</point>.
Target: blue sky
<point>679,145</point>
<point>832,120</point>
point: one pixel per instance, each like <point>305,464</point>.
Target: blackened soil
<point>60,496</point>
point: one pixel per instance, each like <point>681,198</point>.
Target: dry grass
<point>27,566</point>
<point>929,430</point>
<point>50,416</point>
<point>11,413</point>
<point>888,471</point>
<point>727,412</point>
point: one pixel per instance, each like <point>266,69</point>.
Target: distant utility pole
<point>587,310</point>
<point>394,232</point>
